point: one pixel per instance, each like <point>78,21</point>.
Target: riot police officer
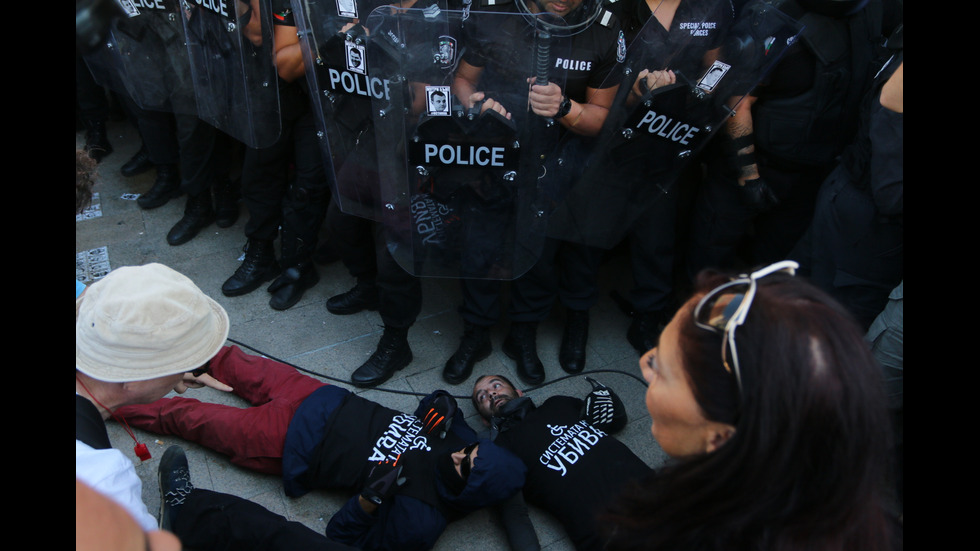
<point>564,269</point>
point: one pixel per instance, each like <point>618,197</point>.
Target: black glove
<point>757,195</point>
<point>603,409</point>
<point>383,481</point>
<point>439,418</point>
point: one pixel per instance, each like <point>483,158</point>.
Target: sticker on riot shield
<point>713,76</point>
<point>347,8</point>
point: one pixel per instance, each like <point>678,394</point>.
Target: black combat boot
<point>198,214</point>
<point>137,164</point>
<point>165,188</point>
<point>393,353</point>
<point>226,196</point>
<point>363,296</point>
<point>258,266</point>
<point>522,347</point>
<point>290,286</point>
<point>473,347</point>
<point>571,356</point>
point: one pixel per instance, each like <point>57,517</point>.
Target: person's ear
<point>718,434</point>
<point>519,393</point>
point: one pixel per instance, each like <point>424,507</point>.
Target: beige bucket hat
<point>144,322</point>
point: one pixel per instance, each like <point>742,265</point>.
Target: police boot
<point>644,331</point>
<point>473,347</point>
<point>571,356</point>
<point>364,296</point>
<point>137,164</point>
<point>290,286</point>
<point>522,347</point>
<point>258,266</point>
<point>198,214</point>
<point>165,188</point>
<point>97,140</point>
<point>393,353</point>
<point>226,196</point>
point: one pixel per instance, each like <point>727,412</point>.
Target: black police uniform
<point>563,269</point>
<point>304,201</point>
<point>804,115</point>
<point>854,249</point>
<point>698,27</point>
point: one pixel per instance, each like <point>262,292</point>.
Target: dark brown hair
<point>804,469</point>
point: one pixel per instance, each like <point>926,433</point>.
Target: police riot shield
<point>145,58</point>
<point>231,54</point>
<point>459,150</point>
<point>673,95</point>
<point>335,38</point>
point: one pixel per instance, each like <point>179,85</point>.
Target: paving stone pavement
<point>116,232</point>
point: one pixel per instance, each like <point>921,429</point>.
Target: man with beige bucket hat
<point>141,332</point>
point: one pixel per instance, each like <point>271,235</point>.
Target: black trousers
<point>565,271</point>
<point>362,247</point>
<point>214,521</point>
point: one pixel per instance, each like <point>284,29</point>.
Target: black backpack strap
<point>89,425</point>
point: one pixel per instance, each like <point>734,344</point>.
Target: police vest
<point>812,128</point>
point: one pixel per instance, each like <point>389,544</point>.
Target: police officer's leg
<point>532,296</point>
<point>578,290</point>
<point>204,158</point>
<point>400,295</point>
<point>353,239</point>
<point>159,132</point>
<point>264,184</point>
<point>652,252</point>
<point>304,209</point>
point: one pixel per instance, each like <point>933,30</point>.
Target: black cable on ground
<point>422,394</point>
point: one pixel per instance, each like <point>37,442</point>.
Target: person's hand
<point>488,103</point>
<point>439,418</point>
<point>757,195</point>
<point>383,481</point>
<point>544,99</point>
<point>651,80</point>
<point>204,380</point>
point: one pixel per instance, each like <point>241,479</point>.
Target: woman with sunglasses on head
<point>764,392</point>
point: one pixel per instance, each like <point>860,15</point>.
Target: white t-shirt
<point>113,475</point>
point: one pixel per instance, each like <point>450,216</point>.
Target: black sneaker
<point>175,485</point>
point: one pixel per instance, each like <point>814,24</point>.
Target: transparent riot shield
<point>660,120</point>
<point>460,180</point>
<point>335,39</point>
<point>145,58</point>
<point>231,55</point>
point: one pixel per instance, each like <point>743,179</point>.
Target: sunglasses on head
<point>725,307</point>
<point>465,463</point>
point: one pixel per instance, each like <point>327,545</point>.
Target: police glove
<point>757,195</point>
<point>603,409</point>
<point>439,418</point>
<point>383,481</point>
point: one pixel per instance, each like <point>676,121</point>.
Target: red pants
<point>252,437</point>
